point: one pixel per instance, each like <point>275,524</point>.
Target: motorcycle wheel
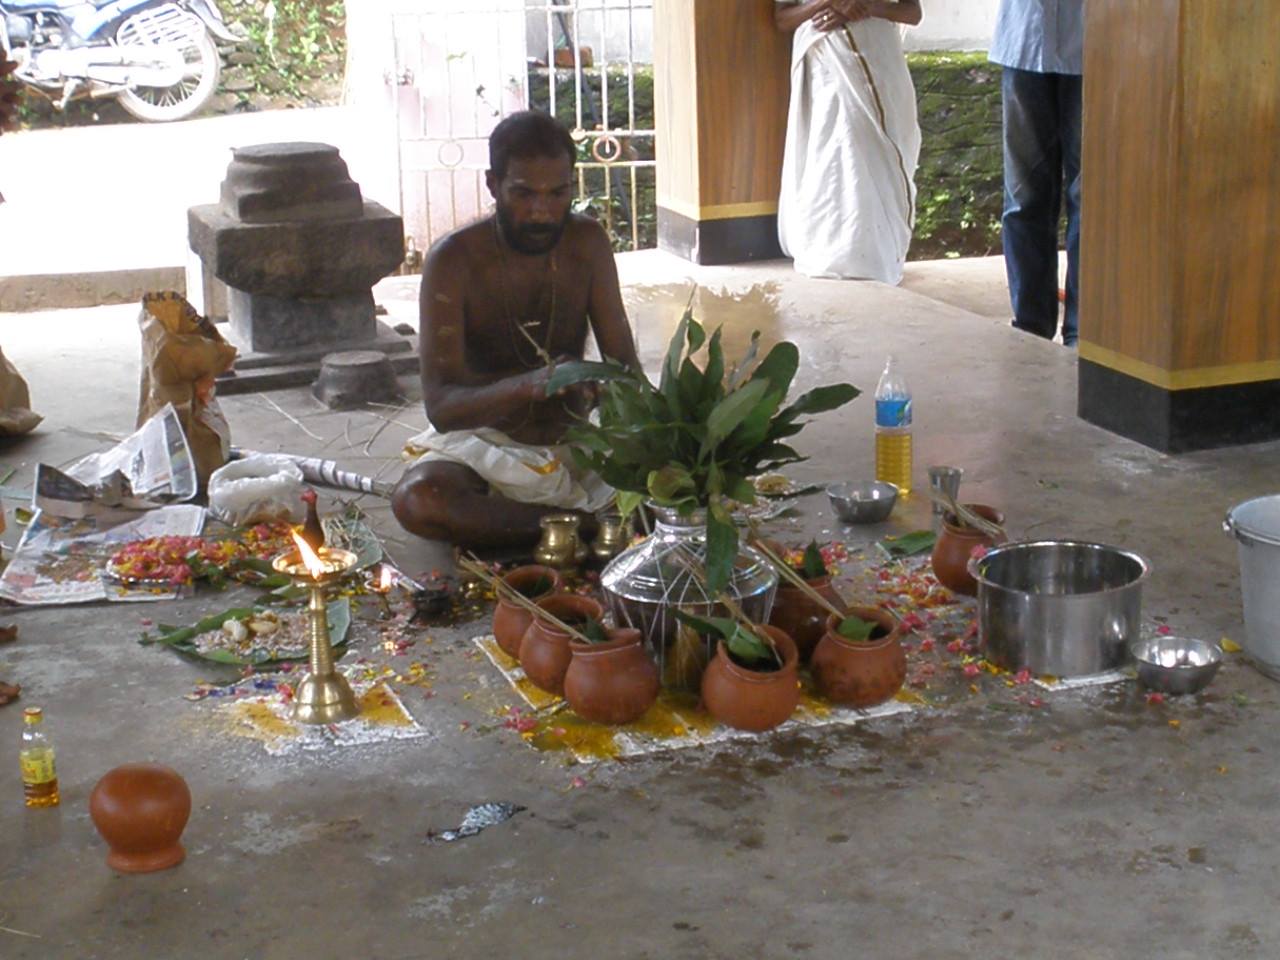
<point>188,95</point>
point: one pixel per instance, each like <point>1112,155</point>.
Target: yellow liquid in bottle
<point>39,781</point>
<point>893,458</point>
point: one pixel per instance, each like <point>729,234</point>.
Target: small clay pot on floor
<point>510,621</point>
<point>856,673</point>
<point>141,810</point>
<point>613,682</point>
<point>544,651</point>
<point>797,615</point>
<point>955,545</point>
<point>747,699</point>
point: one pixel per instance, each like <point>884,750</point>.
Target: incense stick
<point>731,605</point>
<point>743,620</point>
<point>969,517</point>
<point>786,570</point>
<point>474,567</point>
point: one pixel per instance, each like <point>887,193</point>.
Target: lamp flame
<point>386,580</point>
<point>315,566</point>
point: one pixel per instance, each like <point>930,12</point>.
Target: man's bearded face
<point>534,202</point>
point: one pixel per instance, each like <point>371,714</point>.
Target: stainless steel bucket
<point>1058,607</point>
<point>1256,526</point>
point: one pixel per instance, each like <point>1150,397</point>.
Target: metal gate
<point>462,65</point>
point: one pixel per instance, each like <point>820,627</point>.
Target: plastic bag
<point>258,489</point>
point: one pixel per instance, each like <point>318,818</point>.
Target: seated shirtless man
<point>500,299</point>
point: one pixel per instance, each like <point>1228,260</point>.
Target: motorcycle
<point>158,58</point>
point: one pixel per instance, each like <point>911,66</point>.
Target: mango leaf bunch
<point>696,439</point>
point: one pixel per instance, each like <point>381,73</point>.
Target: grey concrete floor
<point>1096,826</point>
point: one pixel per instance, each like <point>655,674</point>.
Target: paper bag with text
<point>182,354</point>
<point>15,402</point>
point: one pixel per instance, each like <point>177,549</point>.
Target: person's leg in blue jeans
<point>1033,160</point>
<point>1069,101</point>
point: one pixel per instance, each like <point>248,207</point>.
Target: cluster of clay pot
<point>612,682</point>
<point>616,681</point>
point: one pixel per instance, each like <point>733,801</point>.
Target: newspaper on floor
<point>61,559</point>
<point>150,468</point>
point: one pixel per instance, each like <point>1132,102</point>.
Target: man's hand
<point>827,18</point>
<point>579,398</point>
<point>852,10</point>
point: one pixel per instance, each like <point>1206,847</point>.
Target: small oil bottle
<point>39,777</point>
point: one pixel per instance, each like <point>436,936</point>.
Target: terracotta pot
<point>511,621</point>
<point>798,616</point>
<point>752,699</point>
<point>141,809</point>
<point>855,674</point>
<point>613,682</point>
<point>954,547</point>
<point>544,651</point>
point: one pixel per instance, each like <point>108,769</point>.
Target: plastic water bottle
<point>893,428</point>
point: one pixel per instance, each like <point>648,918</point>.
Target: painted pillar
<point>721,88</point>
<point>1180,247</point>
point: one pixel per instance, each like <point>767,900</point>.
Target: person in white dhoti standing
<point>847,203</point>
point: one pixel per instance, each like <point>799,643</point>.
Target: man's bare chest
<point>514,315</point>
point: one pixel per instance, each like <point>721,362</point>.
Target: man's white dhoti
<point>539,475</point>
<point>847,204</point>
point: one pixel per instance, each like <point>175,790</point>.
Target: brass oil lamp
<point>323,695</point>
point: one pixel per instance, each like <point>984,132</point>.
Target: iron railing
<point>462,66</point>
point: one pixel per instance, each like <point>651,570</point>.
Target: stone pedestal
<point>299,250</point>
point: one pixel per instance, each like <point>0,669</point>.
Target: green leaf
<point>813,566</point>
<point>778,452</point>
<point>743,366</point>
<point>749,649</point>
<point>628,502</point>
<point>779,366</point>
<point>715,480</point>
<point>909,544</point>
<point>856,629</point>
<point>593,630</point>
<point>581,371</point>
<point>722,627</point>
<point>713,376</point>
<point>740,489</point>
<point>671,483</point>
<point>690,388</point>
<point>732,410</point>
<point>182,639</point>
<point>820,400</point>
<point>675,349</point>
<point>184,635</point>
<point>722,547</point>
<point>697,334</point>
<point>756,427</point>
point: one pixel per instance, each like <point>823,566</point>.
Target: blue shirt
<point>1043,36</point>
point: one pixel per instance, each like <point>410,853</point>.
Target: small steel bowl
<point>1176,665</point>
<point>868,502</point>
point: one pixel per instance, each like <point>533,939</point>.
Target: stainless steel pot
<point>1058,607</point>
<point>1256,525</point>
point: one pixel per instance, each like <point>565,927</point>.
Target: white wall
<point>953,25</point>
<point>603,25</point>
<point>947,25</point>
